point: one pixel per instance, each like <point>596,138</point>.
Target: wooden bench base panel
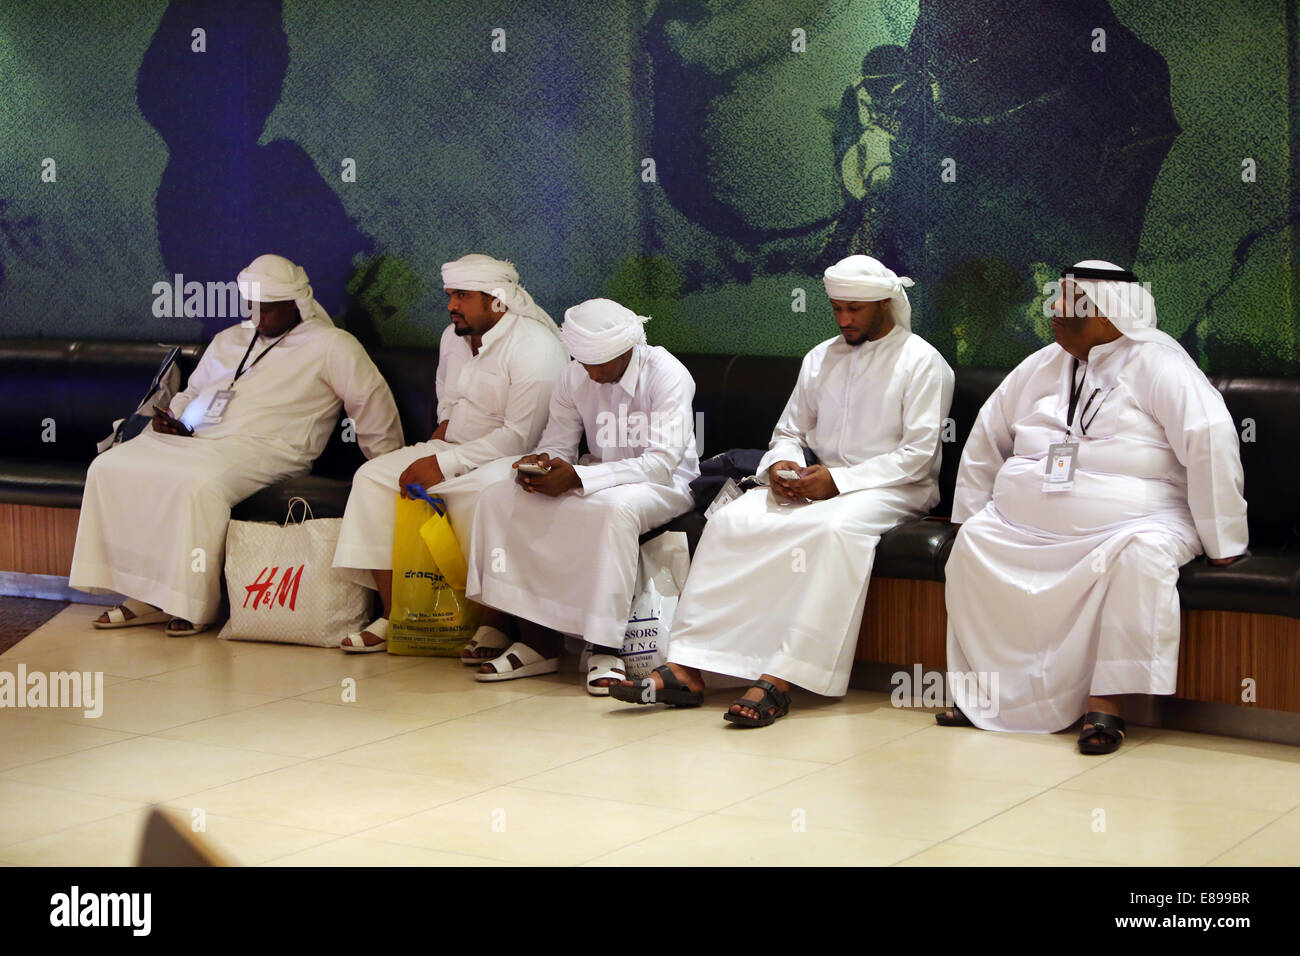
<point>905,622</point>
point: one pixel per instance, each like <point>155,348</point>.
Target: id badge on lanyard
<point>730,492</point>
<point>1062,458</point>
<point>217,408</point>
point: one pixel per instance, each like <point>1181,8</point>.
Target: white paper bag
<point>660,577</point>
<point>283,587</point>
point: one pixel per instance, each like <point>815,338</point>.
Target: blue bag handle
<point>439,504</point>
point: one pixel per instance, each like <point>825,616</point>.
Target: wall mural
<point>700,161</point>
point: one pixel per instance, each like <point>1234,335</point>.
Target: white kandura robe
<point>779,588</point>
<point>1064,595</point>
<point>494,403</point>
<point>570,563</point>
<point>151,501</point>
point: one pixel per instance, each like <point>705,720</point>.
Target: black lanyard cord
<point>1075,392</point>
<point>261,355</point>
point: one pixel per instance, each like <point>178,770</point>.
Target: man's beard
<point>462,331</point>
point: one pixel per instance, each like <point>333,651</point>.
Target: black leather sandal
<point>958,719</point>
<point>774,703</point>
<point>1104,736</point>
<point>674,693</point>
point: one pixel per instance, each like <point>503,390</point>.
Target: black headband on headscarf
<point>1105,275</point>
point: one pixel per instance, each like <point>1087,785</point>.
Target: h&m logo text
<point>287,590</point>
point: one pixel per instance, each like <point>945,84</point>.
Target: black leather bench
<point>82,386</point>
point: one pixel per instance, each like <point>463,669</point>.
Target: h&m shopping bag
<point>283,587</point>
<point>430,615</point>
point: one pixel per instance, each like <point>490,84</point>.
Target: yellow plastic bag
<point>431,616</point>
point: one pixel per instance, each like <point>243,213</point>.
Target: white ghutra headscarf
<point>864,279</point>
<point>272,278</point>
<point>600,330</point>
<point>498,278</point>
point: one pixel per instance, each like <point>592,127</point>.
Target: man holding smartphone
<point>779,580</point>
<point>258,409</point>
<point>558,548</point>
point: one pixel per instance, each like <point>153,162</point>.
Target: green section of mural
<point>771,152</point>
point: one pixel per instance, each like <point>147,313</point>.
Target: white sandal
<point>141,613</point>
<point>354,643</point>
<point>185,631</point>
<point>519,660</point>
<point>601,666</point>
<point>492,638</point>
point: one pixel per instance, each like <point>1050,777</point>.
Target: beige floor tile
<point>907,805</point>
<point>27,812</point>
<point>586,716</point>
<point>732,841</point>
<point>428,691</point>
<point>1138,831</point>
<point>822,732</point>
<point>147,769</point>
<point>662,775</point>
<point>329,797</point>
<point>297,728</point>
<point>49,636</point>
<point>1277,844</point>
<point>1199,768</point>
<point>954,854</point>
<point>1038,760</point>
<point>527,826</point>
<point>133,653</point>
<point>353,851</point>
<point>27,736</point>
<point>115,841</point>
<point>477,753</point>
<point>284,671</point>
<point>148,706</point>
<point>250,842</point>
<point>112,841</point>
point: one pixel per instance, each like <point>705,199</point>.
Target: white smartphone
<point>786,474</point>
<point>532,468</point>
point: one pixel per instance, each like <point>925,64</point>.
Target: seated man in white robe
<point>1102,463</point>
<point>497,363</point>
<point>559,550</point>
<point>777,586</point>
<point>258,409</point>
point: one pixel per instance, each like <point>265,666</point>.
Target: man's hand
<point>780,486</point>
<point>423,471</point>
<point>560,479</point>
<point>1222,562</point>
<point>168,426</point>
<point>814,483</point>
<point>440,433</point>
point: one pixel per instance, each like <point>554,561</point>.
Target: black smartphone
<point>166,413</point>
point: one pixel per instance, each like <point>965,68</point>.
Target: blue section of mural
<point>223,198</point>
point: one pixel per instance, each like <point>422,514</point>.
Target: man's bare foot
<point>370,640</point>
<point>756,694</point>
<point>687,675</point>
<point>127,613</point>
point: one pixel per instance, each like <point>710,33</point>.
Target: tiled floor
<point>428,767</point>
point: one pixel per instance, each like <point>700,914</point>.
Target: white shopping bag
<point>660,577</point>
<point>283,587</point>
